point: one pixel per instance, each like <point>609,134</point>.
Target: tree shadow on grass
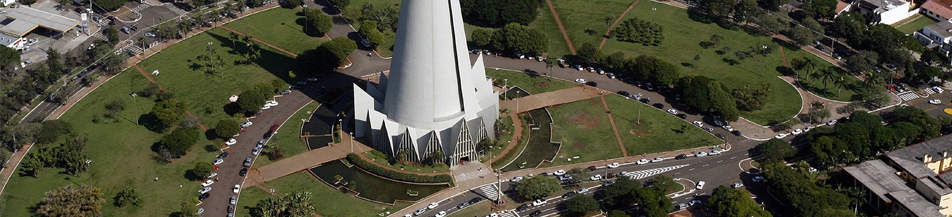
<point>299,26</point>
<point>151,122</point>
<point>786,45</point>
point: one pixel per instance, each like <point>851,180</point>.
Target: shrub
<point>52,130</point>
<point>370,167</point>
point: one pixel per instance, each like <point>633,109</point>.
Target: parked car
<point>757,179</point>
<point>737,185</point>
<point>658,105</point>
<point>656,160</point>
<point>580,80</point>
<point>231,141</point>
<point>212,175</point>
<point>642,161</point>
<point>247,124</point>
<point>233,200</point>
<point>672,111</point>
<point>935,101</point>
<point>539,202</point>
<point>205,190</point>
<point>208,183</point>
<point>203,196</point>
<point>236,189</point>
<point>516,179</point>
<point>700,154</point>
<point>255,151</point>
<point>243,172</point>
<point>700,185</point>
<point>248,162</point>
<point>222,155</point>
<point>781,136</point>
<point>218,161</point>
<point>681,157</point>
<point>797,131</point>
<point>613,165</point>
<point>559,172</point>
<point>569,194</point>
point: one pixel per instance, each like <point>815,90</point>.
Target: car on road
<point>516,179</point>
<point>935,101</point>
<point>672,111</point>
<point>218,161</point>
<point>642,161</point>
<point>700,185</point>
<point>721,136</point>
<point>433,205</point>
<point>243,172</point>
<point>203,196</point>
<point>797,132</point>
<point>441,214</point>
<point>681,157</point>
<point>714,152</point>
<point>462,205</point>
<point>535,213</point>
<point>247,124</point>
<point>205,190</point>
<point>596,177</point>
<point>231,141</point>
<point>208,183</point>
<point>569,194</point>
<point>781,136</point>
<point>559,172</point>
<point>737,185</point>
<point>523,207</point>
<point>592,168</point>
<point>233,200</point>
<point>613,165</point>
<point>475,200</point>
<point>212,175</point>
<point>658,105</point>
<point>694,202</point>
<point>736,132</point>
<point>255,151</point>
<point>657,159</point>
<point>697,123</point>
<point>757,179</point>
<point>222,155</point>
<point>831,122</point>
<point>248,162</point>
<point>539,202</point>
<point>700,154</point>
<point>236,189</point>
<point>419,211</point>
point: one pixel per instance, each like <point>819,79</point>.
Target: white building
<point>434,100</point>
<point>885,11</point>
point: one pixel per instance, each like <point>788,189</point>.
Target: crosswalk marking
<point>651,172</point>
<point>489,191</point>
<point>930,91</point>
<point>175,9</point>
<point>909,96</point>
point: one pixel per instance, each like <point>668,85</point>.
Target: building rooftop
<point>941,7</point>
<point>943,29</point>
<point>910,158</point>
<point>882,5</point>
<point>25,19</point>
<point>881,179</point>
<point>916,204</point>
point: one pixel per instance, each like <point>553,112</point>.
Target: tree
<point>590,54</point>
<point>707,95</point>
<point>8,57</point>
<point>775,150</point>
<point>727,202</point>
<point>368,30</point>
<point>179,141</point>
<point>168,112</point>
<point>655,70</point>
<point>33,166</point>
<point>482,37</point>
<point>618,194</point>
<point>492,13</point>
<point>112,35</point>
<point>801,35</point>
<point>249,102</point>
<point>227,128</point>
<point>50,131</point>
<point>321,22</point>
<point>291,3</point>
<point>581,204</point>
<point>347,46</point>
<point>188,210</point>
<point>653,203</point>
<point>752,97</point>
<point>818,112</point>
<point>27,2</point>
<point>518,38</point>
<point>71,201</point>
<point>804,64</point>
<point>295,204</point>
<point>537,187</point>
<point>720,9</point>
<point>201,170</point>
<point>617,213</point>
<point>639,31</point>
<point>127,197</point>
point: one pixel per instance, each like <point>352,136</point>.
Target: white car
<point>714,152</point>
<point>579,67</point>
<point>672,111</point>
<point>831,122</point>
<point>433,205</point>
<point>613,165</point>
<point>559,172</point>
<point>493,215</point>
<point>596,177</point>
<point>700,154</point>
<point>208,183</point>
<point>212,175</point>
<point>231,141</point>
<point>797,132</point>
<point>218,161</point>
<point>590,69</point>
<point>236,189</point>
<point>516,179</point>
<point>935,101</point>
<point>657,159</point>
<point>419,211</point>
<point>700,185</point>
<point>266,107</point>
<point>441,214</point>
<point>808,129</point>
<point>255,151</point>
<point>580,81</point>
<point>539,202</point>
<point>601,72</point>
<point>697,123</point>
<point>938,89</point>
<point>718,123</point>
<point>642,161</point>
<point>246,124</point>
<point>233,200</point>
<point>781,136</point>
<point>728,128</point>
<point>271,103</point>
<point>737,185</point>
<point>205,190</point>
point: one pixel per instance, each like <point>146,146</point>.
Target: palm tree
<point>828,74</point>
<point>839,82</point>
<point>548,66</point>
<point>804,64</point>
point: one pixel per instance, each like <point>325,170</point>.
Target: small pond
<point>373,187</point>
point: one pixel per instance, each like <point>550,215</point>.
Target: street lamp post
<point>506,93</point>
<point>136,105</point>
<point>764,47</point>
<point>351,142</point>
<point>517,101</point>
<point>305,18</point>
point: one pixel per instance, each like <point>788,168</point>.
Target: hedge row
<point>373,168</point>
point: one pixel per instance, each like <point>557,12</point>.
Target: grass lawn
<point>502,140</point>
<point>531,83</point>
<point>385,49</point>
<point>480,209</point>
<point>111,172</point>
<point>512,154</point>
<point>539,148</point>
<point>830,90</point>
<point>281,27</point>
<point>546,23</point>
<point>584,131</point>
<point>328,201</point>
<point>681,44</point>
<point>248,199</point>
<point>206,95</point>
<point>915,24</point>
<point>288,136</point>
<point>658,131</point>
<point>440,168</point>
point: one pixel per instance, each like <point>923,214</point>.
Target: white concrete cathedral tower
<point>434,106</point>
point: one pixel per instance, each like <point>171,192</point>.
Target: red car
<point>274,127</point>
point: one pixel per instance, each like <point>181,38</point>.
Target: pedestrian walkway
<point>287,166</point>
<point>908,96</point>
<point>558,21</point>
<point>489,191</point>
<point>542,100</point>
<point>516,134</point>
<point>611,120</point>
<point>651,172</point>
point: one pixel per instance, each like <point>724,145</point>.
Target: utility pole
<point>764,57</point>
<point>136,105</point>
<point>305,18</point>
<point>351,142</point>
<point>506,90</point>
<point>498,187</point>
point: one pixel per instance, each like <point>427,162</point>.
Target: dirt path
<point>784,57</point>
<point>260,41</point>
<point>561,28</point>
<point>611,120</point>
<point>516,134</point>
<point>609,30</point>
<point>189,113</point>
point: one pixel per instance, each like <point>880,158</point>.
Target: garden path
<point>609,30</point>
<point>189,113</point>
<point>611,120</point>
<point>561,28</point>
<point>516,134</point>
<point>260,41</point>
<point>536,101</point>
